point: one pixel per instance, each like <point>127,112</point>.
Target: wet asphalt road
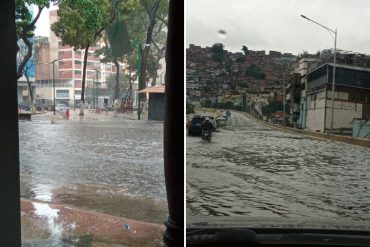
<point>110,165</point>
<point>251,170</point>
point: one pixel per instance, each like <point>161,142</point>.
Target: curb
<point>320,136</point>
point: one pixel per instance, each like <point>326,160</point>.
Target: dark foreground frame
<point>174,126</point>
<point>10,226</point>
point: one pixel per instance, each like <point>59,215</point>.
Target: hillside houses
<point>207,79</point>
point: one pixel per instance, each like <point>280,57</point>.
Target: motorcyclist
<point>207,125</point>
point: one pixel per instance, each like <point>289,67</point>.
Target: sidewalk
<point>46,224</point>
<point>88,115</point>
<point>317,135</point>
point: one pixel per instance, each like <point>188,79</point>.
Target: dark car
<point>195,126</point>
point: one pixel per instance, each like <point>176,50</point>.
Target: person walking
<point>67,114</point>
<point>116,107</point>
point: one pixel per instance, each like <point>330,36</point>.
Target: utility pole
<point>335,56</point>
<point>139,51</point>
<point>96,100</point>
<point>53,62</point>
<point>138,79</point>
<point>283,100</point>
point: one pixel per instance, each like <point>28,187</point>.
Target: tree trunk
<point>30,92</point>
<point>26,29</point>
<point>154,78</point>
<point>129,82</point>
<point>116,89</point>
<point>26,58</point>
<point>149,34</point>
<point>82,105</point>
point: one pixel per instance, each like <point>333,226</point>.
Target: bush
<point>189,108</point>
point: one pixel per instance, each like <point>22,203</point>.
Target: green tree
<point>157,11</point>
<point>146,21</point>
<point>23,50</point>
<point>25,26</point>
<point>273,107</point>
<point>239,61</point>
<point>135,13</point>
<point>255,71</point>
<point>218,52</point>
<point>245,50</point>
<point>159,43</point>
<point>123,84</point>
<point>108,57</point>
<point>189,108</point>
<point>80,24</point>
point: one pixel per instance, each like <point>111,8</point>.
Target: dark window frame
<point>10,226</point>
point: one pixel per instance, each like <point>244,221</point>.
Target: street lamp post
<point>139,45</point>
<point>139,51</point>
<point>52,62</point>
<point>284,99</point>
<point>96,100</point>
<point>333,83</point>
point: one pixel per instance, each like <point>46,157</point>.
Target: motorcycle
<point>206,135</point>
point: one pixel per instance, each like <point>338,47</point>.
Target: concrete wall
<point>337,138</point>
<point>44,93</point>
<point>344,113</point>
<point>315,120</point>
<point>53,42</point>
<point>316,112</point>
<point>42,56</point>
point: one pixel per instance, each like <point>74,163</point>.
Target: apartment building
<point>351,97</point>
<point>68,71</point>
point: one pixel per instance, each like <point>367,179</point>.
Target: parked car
<point>220,122</point>
<point>195,126</point>
<point>61,108</point>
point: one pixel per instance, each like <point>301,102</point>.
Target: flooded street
<point>251,170</point>
<point>105,164</point>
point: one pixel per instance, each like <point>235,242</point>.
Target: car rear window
<point>196,120</point>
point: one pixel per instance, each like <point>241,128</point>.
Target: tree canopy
<point>245,50</point>
<point>218,52</point>
<point>255,71</point>
<point>81,21</point>
<point>79,25</point>
<point>25,25</point>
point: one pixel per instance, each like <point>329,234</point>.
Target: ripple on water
<point>259,172</point>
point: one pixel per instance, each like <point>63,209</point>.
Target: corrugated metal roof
<point>155,89</point>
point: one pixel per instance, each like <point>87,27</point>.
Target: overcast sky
<point>277,25</point>
<point>42,25</point>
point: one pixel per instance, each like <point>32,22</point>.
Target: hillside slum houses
<point>288,79</point>
<point>219,81</point>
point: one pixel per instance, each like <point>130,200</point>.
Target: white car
<point>61,107</point>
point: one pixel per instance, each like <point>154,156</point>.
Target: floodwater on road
<point>254,171</point>
<point>109,165</point>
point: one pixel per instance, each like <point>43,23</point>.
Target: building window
<point>62,93</point>
<point>78,72</point>
<point>77,62</point>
